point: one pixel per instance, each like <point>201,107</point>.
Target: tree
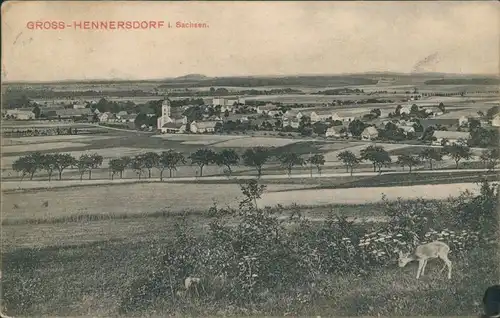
<point>377,155</point>
<point>290,159</point>
<point>397,112</point>
<point>408,160</point>
<point>428,133</point>
<point>256,157</point>
<point>252,191</point>
<point>227,158</point>
<point>226,113</point>
<point>28,165</point>
<point>63,161</point>
<point>202,157</point>
<point>482,137</point>
<point>94,163</point>
<point>490,158</point>
<point>305,126</point>
<point>349,159</point>
<point>382,159</point>
<point>319,128</point>
<point>150,160</point>
<point>356,127</point>
<point>458,151</point>
<point>48,164</point>
<point>170,160</point>
<point>118,165</point>
<point>431,154</point>
<point>83,164</point>
<point>441,107</point>
<point>369,153</point>
<point>37,111</point>
<point>414,109</point>
<point>474,124</point>
<point>137,164</point>
<point>376,112</point>
<point>317,160</point>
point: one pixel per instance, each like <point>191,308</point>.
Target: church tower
<point>165,108</point>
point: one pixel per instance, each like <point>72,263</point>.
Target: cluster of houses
<point>120,117</point>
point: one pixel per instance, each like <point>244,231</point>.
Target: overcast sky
<point>252,38</point>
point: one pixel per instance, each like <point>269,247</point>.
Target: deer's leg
<point>447,263</point>
<point>423,268</point>
<point>420,266</point>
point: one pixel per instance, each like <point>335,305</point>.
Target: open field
<point>23,124</point>
<point>137,198</point>
<point>42,146</point>
<point>47,139</point>
<point>144,198</point>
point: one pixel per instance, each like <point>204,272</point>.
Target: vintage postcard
<point>250,158</point>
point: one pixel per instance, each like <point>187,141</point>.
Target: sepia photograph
<point>250,158</point>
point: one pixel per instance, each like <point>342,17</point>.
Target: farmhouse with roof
<point>336,131</point>
<point>450,136</point>
<point>495,122</point>
<point>20,114</point>
<point>201,127</point>
<point>369,133</point>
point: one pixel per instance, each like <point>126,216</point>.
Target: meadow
<point>136,266</point>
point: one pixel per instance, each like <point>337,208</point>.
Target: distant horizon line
<point>206,77</point>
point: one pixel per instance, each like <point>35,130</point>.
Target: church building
<point>168,123</point>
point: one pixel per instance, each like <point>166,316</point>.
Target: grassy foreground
<point>328,268</point>
<point>94,279</point>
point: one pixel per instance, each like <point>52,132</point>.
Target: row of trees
<point>255,157</point>
<point>169,160</point>
<point>379,157</point>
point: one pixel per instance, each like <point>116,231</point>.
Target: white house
<point>405,109</point>
<point>407,129</point>
<point>265,109</point>
<point>292,122</point>
<point>342,117</point>
<point>462,121</point>
<point>321,115</point>
<point>336,131</point>
<point>105,117</point>
<point>120,114</point>
<point>289,114</point>
<point>166,116</point>
<point>173,128</point>
<point>227,101</point>
<point>369,133</point>
<point>129,118</point>
<point>274,113</point>
<point>80,105</point>
<point>200,127</point>
<point>20,114</point>
<point>451,136</point>
<point>495,122</point>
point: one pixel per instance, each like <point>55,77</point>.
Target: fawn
<point>425,252</point>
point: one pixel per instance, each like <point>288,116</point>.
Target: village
<point>431,122</point>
